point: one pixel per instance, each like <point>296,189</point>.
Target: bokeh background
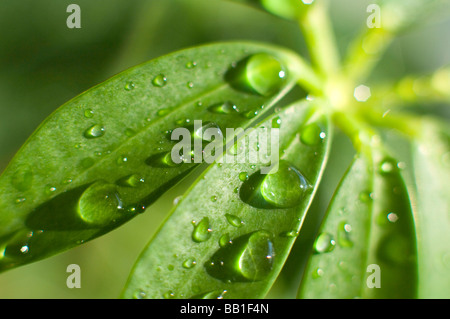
<point>44,64</point>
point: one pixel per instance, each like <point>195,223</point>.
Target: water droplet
<point>170,267</point>
<point>317,273</point>
<point>243,176</point>
<point>169,295</point>
<point>324,243</point>
<point>248,258</point>
<point>49,190</point>
<point>100,204</point>
<point>122,159</point>
<point>189,263</point>
<point>190,85</point>
<point>224,108</point>
<point>365,197</point>
<point>130,132</point>
<point>260,73</point>
<point>164,160</point>
<point>290,233</point>
<point>392,217</point>
<point>234,220</point>
<point>283,189</point>
<point>94,131</point>
<point>88,113</point>
<point>160,80</point>
<point>20,200</point>
<point>139,294</point>
<point>22,179</point>
<point>133,180</point>
<point>344,238</point>
<point>213,198</point>
<point>388,166</point>
<point>87,162</point>
<point>191,64</point>
<point>312,134</point>
<point>202,231</point>
<point>129,86</point>
<point>24,249</point>
<point>276,122</point>
<point>163,112</point>
<point>225,240</point>
<point>250,114</point>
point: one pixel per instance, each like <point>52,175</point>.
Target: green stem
<point>317,30</point>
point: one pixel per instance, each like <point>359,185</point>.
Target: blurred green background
<point>44,64</point>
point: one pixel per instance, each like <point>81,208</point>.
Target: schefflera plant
<point>106,155</point>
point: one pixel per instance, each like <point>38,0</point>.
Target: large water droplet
<point>283,189</point>
<point>202,231</point>
<point>160,80</point>
<point>260,73</point>
<point>100,204</point>
<point>247,258</point>
<point>324,243</point>
<point>94,131</point>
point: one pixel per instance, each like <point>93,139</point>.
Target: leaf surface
<point>366,246</point>
<point>231,233</point>
<point>105,155</point>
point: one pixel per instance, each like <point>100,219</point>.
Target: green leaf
<point>432,173</point>
<point>232,232</point>
<point>104,156</point>
<point>366,246</point>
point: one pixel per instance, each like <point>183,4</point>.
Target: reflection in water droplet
<point>247,258</point>
<point>324,243</point>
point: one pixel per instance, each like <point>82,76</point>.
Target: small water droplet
<point>202,231</point>
<point>191,64</point>
<point>312,134</point>
<point>225,240</point>
<point>87,162</point>
<point>243,176</point>
<point>139,294</point>
<point>160,80</point>
<point>129,86</point>
<point>249,258</point>
<point>250,114</point>
<point>189,263</point>
<point>122,159</point>
<point>290,233</point>
<point>365,197</point>
<point>260,73</point>
<point>164,160</point>
<point>130,132</point>
<point>22,179</point>
<point>324,243</point>
<point>276,122</point>
<point>213,198</point>
<point>234,220</point>
<point>94,131</point>
<point>392,217</point>
<point>20,200</point>
<point>190,84</point>
<point>226,107</point>
<point>215,294</point>
<point>163,112</point>
<point>169,295</point>
<point>89,113</point>
<point>24,249</point>
<point>317,273</point>
<point>344,238</point>
<point>49,190</point>
<point>133,180</point>
<point>388,166</point>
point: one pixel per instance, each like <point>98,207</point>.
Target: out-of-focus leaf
<point>366,246</point>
